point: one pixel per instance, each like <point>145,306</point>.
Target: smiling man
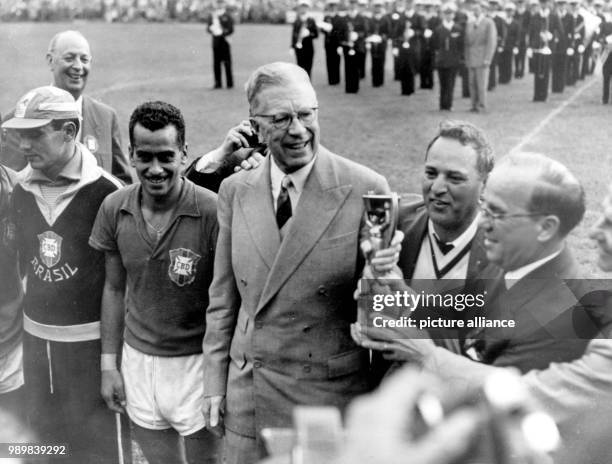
<point>159,238</point>
<point>286,264</point>
<point>440,232</point>
<point>69,59</point>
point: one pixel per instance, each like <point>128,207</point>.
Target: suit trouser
<point>606,75</point>
<point>361,62</point>
<point>240,449</point>
<point>427,81</point>
<point>304,57</point>
<point>447,87</point>
<point>479,77</point>
<point>222,55</point>
<point>378,68</point>
<point>559,70</point>
<point>465,82</point>
<point>492,83</point>
<point>588,65</point>
<point>519,62</point>
<point>332,60</point>
<point>573,69</point>
<point>541,73</point>
<point>351,71</point>
<point>63,401</point>
<point>505,66</point>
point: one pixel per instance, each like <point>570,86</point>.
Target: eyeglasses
<point>284,120</point>
<point>488,214</point>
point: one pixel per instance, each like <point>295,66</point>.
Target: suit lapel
<point>258,212</point>
<point>319,203</point>
<point>90,121</point>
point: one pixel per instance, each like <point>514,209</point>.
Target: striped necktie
<point>283,203</point>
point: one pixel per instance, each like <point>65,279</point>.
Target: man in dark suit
<point>286,263</point>
<point>407,45</point>
<point>69,59</point>
<point>604,39</point>
<point>575,29</point>
<point>521,16</point>
<point>331,30</point>
<point>302,35</point>
<point>544,32</point>
<point>447,42</point>
<point>221,25</point>
<point>495,13</point>
<point>510,44</point>
<point>561,44</point>
<point>378,32</point>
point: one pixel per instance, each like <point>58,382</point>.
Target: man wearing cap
<point>378,32</point>
<point>509,47</point>
<point>447,44</point>
<point>220,26</point>
<point>69,59</point>
<point>303,32</point>
<point>52,212</point>
<point>560,48</point>
<point>480,43</point>
<point>331,29</point>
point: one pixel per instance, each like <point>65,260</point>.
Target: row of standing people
<point>453,41</point>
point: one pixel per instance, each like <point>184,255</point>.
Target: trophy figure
<point>381,216</point>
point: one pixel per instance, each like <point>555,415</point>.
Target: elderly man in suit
<point>480,44</point>
<point>69,59</point>
<point>286,263</point>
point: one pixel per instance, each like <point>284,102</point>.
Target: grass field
<point>377,127</point>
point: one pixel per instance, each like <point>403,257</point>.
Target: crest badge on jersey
<point>50,249</point>
<point>8,232</point>
<point>183,266</point>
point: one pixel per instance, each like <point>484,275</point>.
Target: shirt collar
<point>298,178</point>
<point>460,242</point>
<point>187,204</point>
<point>448,24</point>
<point>512,277</point>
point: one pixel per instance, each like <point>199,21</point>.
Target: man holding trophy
<point>220,25</point>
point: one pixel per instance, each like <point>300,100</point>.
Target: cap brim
<point>25,123</point>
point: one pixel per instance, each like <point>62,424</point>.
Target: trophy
<point>381,213</point>
<point>381,217</point>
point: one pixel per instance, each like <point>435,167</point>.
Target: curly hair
<point>155,115</point>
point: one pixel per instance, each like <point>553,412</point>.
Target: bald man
<point>69,59</point>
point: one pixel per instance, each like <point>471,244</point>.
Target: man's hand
<point>380,426</point>
<point>251,162</point>
<point>112,390</point>
<point>213,410</point>
<point>384,261</point>
<point>397,344</point>
<point>237,138</point>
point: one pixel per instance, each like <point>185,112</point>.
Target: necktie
<point>283,203</point>
<point>443,246</point>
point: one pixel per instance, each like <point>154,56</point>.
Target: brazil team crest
<point>183,266</point>
<point>50,249</point>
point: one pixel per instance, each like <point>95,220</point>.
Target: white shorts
<point>11,370</point>
<point>164,392</point>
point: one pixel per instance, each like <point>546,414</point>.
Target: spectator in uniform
<point>69,58</point>
<point>543,26</point>
<point>332,42</point>
<point>378,30</point>
<point>604,38</point>
<point>302,35</point>
<point>560,46</point>
<point>448,46</point>
<point>409,46</point>
<point>158,238</point>
<point>521,16</point>
<point>53,210</point>
<point>220,26</point>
